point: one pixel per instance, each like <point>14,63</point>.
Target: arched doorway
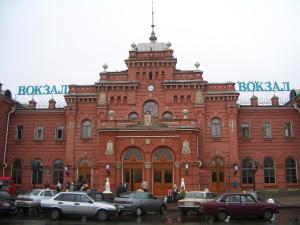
<point>218,175</point>
<point>162,171</point>
<point>85,172</point>
<point>133,161</point>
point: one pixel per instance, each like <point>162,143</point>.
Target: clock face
<point>150,87</point>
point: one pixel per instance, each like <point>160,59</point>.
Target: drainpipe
<point>4,165</point>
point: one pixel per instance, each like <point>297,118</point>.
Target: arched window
<point>58,171</point>
<point>37,171</point>
<point>291,170</point>
<point>133,116</point>
<point>133,154</point>
<point>247,173</point>
<point>216,127</point>
<point>17,171</point>
<point>269,170</point>
<point>151,107</point>
<point>86,129</point>
<point>163,154</point>
<point>167,115</point>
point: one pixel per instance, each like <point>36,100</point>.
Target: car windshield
<point>4,195</point>
<point>194,195</point>
<point>34,192</point>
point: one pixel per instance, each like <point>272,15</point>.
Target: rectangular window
<point>288,131</point>
<point>267,130</point>
<point>59,133</point>
<point>39,133</point>
<point>19,133</point>
<point>245,128</point>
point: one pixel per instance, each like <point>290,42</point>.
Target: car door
<point>233,204</point>
<point>152,202</point>
<point>83,205</point>
<point>65,202</point>
<point>249,206</point>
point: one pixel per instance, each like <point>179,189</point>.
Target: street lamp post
<point>254,168</point>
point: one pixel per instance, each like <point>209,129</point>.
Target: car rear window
<point>198,195</point>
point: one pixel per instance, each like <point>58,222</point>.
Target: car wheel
<point>138,211</point>
<point>102,215</point>
<point>222,215</point>
<point>162,210</point>
<point>55,214</point>
<point>268,214</point>
<point>33,212</point>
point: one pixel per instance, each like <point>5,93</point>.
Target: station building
<point>156,123</point>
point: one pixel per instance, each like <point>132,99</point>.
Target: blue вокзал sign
<point>241,86</point>
<point>43,89</point>
<point>259,86</point>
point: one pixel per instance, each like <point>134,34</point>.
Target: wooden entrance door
<point>162,178</point>
<point>162,171</point>
<point>133,179</point>
<point>133,161</point>
<point>218,175</point>
<point>85,172</point>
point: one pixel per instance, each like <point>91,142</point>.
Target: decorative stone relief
<point>185,113</point>
<point>148,165</point>
<point>109,148</point>
<point>186,148</point>
<point>199,98</point>
<point>102,99</point>
<point>118,165</point>
<point>111,114</point>
<point>147,141</point>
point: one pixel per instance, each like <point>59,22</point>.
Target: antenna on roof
<point>152,38</point>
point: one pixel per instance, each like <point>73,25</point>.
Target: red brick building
<point>157,123</point>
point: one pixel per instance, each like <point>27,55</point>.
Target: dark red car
<point>239,205</point>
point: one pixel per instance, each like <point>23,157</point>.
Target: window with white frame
<point>288,131</point>
<point>267,130</point>
<point>39,133</point>
<point>216,127</point>
<point>59,132</point>
<point>291,171</point>
<point>86,131</point>
<point>269,170</point>
<point>245,129</point>
<point>19,132</point>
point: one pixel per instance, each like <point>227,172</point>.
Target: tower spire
<point>152,38</point>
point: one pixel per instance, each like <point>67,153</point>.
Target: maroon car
<point>239,205</point>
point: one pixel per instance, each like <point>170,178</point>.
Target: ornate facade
<point>157,123</point>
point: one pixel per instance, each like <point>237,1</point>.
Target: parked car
<point>77,203</point>
<point>193,200</point>
<point>239,205</point>
<point>30,201</point>
<point>139,203</point>
<point>7,203</point>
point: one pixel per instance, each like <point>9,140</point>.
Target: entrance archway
<point>218,175</point>
<point>133,161</point>
<point>162,171</point>
<point>85,171</point>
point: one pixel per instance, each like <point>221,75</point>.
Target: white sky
<point>68,41</point>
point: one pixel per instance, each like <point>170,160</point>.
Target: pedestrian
<point>58,186</point>
<point>121,189</point>
<point>145,186</point>
<point>72,187</point>
<point>47,186</point>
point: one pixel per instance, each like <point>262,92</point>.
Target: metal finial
<point>104,67</point>
<point>197,64</point>
<point>152,38</point>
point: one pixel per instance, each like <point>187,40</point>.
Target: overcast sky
<point>67,41</point>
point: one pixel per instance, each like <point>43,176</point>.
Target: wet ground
<point>289,216</point>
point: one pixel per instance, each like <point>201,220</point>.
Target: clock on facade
<point>150,87</point>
